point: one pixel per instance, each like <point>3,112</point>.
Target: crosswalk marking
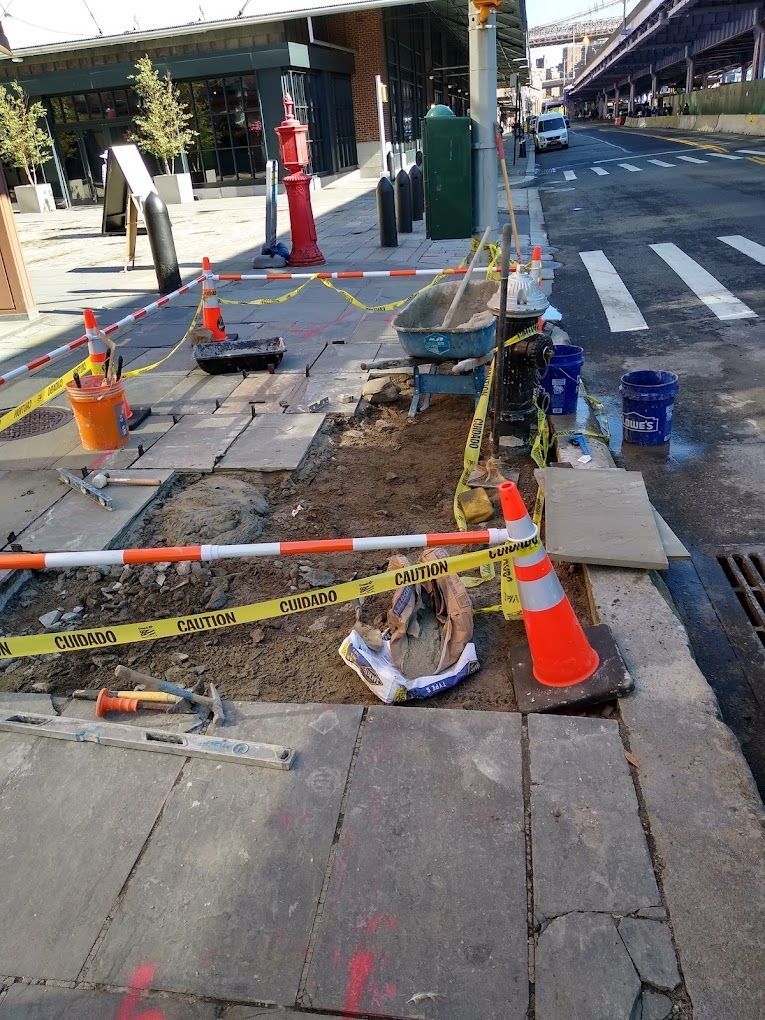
<point>723,155</point>
<point>743,244</point>
<point>631,167</point>
<point>703,284</point>
<point>569,175</point>
<point>752,152</point>
<point>599,171</point>
<point>691,159</point>
<point>621,311</point>
<point>660,162</point>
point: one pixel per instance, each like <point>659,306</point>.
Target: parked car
<point>550,131</point>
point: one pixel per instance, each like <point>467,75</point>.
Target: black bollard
<point>403,203</point>
<point>386,214</point>
<point>389,161</point>
<point>418,196</point>
<point>161,243</point>
<point>418,157</point>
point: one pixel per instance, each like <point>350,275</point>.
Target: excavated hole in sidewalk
<point>346,489</point>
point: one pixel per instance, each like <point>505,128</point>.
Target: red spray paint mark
<point>359,970</point>
<point>139,983</point>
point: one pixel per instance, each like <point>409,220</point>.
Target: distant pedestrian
<point>686,110</point>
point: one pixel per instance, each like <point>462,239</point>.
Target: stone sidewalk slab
<point>42,451</point>
<point>223,900</point>
<point>264,392</point>
<point>590,852</point>
<point>273,442</point>
<point>197,393</point>
<point>428,885</point>
<point>76,522</point>
<point>145,436</point>
<point>68,843</point>
<point>24,495</point>
<point>342,359</point>
<point>195,443</point>
<point>317,387</point>
<point>43,1002</point>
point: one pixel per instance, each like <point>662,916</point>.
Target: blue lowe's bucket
<point>648,401</point>
<point>561,380</point>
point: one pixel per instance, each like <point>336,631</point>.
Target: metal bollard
<point>418,192</point>
<point>403,203</point>
<point>418,157</point>
<point>389,162</point>
<point>386,214</point>
<point>161,243</point>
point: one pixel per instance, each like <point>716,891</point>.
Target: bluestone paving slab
<point>590,852</point>
<point>317,387</point>
<point>197,393</point>
<point>44,1002</point>
<point>37,452</point>
<point>145,436</point>
<point>273,442</point>
<point>428,884</point>
<point>340,359</point>
<point>601,516</point>
<point>266,1013</point>
<point>262,391</point>
<point>24,495</point>
<point>146,390</point>
<point>649,944</point>
<point>77,522</point>
<point>300,353</point>
<point>67,844</point>
<point>583,971</point>
<point>195,443</point>
<point>225,894</point>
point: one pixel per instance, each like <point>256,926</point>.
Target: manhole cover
<point>36,423</point>
<point>745,569</point>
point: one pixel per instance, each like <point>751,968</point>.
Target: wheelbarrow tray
<point>418,324</point>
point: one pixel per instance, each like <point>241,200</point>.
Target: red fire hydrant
<point>293,142</point>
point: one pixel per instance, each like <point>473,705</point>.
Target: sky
<point>49,21</point>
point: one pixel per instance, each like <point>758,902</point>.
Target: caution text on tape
<point>318,598</point>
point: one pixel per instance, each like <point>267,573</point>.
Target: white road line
<point>621,311</point>
<point>599,171</point>
<point>631,167</point>
<point>569,175</point>
<point>703,284</point>
<point>743,244</point>
<point>752,152</point>
<point>723,155</point>
<point>660,162</point>
<point>691,159</point>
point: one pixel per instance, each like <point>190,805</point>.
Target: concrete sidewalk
<point>509,865</point>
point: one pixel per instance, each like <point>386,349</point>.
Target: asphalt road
<point>694,305</point>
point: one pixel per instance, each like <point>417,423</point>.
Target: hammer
<point>212,703</point>
<point>101,480</point>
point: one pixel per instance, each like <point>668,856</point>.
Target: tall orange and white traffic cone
<point>212,316</point>
<point>561,654</point>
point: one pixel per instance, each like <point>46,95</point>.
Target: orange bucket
<point>100,412</point>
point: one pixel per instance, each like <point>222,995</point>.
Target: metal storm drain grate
<point>36,423</point>
<point>745,570</point>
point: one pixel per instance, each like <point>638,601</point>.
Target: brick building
<point>233,74</point>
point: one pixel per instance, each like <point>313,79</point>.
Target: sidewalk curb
<point>704,815</point>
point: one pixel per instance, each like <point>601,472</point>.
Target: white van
<point>550,131</point>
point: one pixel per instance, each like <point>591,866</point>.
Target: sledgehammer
<point>213,703</point>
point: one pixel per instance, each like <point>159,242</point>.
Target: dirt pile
<point>216,510</point>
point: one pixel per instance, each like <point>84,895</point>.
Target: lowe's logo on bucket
<point>640,422</point>
<point>436,343</point>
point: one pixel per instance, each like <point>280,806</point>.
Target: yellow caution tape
<point>181,342</point>
<point>390,307</point>
<point>42,396</point>
<point>195,623</point>
<point>271,301</point>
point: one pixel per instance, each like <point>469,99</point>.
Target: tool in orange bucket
<point>560,652</point>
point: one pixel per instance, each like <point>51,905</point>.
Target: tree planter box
<point>174,189</point>
<point>35,198</point>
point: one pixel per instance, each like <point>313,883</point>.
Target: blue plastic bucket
<point>561,380</point>
<point>648,402</point>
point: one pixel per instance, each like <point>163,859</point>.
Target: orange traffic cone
<point>561,655</point>
<point>212,316</point>
<point>536,264</point>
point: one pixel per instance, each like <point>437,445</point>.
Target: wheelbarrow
<point>431,348</point>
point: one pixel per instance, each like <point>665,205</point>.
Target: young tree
<point>163,126</point>
<point>23,143</point>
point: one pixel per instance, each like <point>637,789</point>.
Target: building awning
<point>511,35</point>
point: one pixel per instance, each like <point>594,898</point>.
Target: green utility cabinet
<point>448,166</point>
